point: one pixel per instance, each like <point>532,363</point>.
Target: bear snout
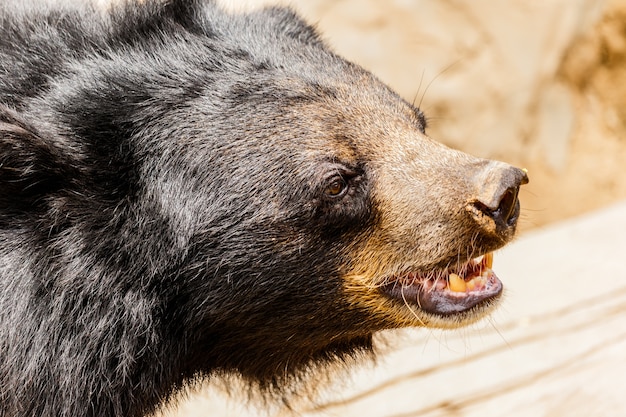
<point>428,261</point>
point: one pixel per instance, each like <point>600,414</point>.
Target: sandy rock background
<point>540,84</point>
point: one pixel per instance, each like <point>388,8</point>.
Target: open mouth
<point>449,291</point>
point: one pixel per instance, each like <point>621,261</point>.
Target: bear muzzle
<point>439,271</point>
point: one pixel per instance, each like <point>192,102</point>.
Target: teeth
<point>489,260</point>
<point>456,283</point>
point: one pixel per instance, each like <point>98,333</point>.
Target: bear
<point>187,193</point>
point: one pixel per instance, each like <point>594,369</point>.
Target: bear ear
<point>29,164</point>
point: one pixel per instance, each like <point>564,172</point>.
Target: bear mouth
<point>448,291</point>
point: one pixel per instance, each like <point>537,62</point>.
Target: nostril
<point>508,208</point>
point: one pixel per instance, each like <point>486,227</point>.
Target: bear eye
<point>336,188</point>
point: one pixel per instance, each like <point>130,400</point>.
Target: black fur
<point>161,216</point>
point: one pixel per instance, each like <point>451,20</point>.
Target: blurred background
<point>541,85</point>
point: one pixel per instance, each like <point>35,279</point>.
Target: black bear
<point>186,192</point>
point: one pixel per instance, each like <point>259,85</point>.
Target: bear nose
<point>497,197</point>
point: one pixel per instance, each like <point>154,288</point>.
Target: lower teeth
<point>456,283</point>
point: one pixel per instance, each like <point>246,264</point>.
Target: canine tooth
<point>489,260</point>
<point>456,283</point>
